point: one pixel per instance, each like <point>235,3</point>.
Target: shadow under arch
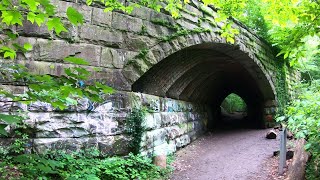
<point>207,73</point>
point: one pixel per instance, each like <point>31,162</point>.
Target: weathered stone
<point>182,141</point>
<point>142,13</point>
<point>169,119</point>
<point>57,50</point>
<point>159,136</point>
<point>271,135</point>
<point>62,6</point>
<point>151,102</point>
<point>175,131</point>
<point>189,17</point>
<point>136,42</point>
<point>116,58</point>
<point>131,73</point>
<point>126,23</point>
<point>101,18</point>
<point>151,122</point>
<point>289,135</point>
<point>100,35</point>
<point>33,30</point>
<point>147,140</point>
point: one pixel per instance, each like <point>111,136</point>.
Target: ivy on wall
<point>134,128</point>
<point>281,86</point>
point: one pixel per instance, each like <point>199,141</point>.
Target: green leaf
<point>74,16</point>
<point>55,23</point>
<point>40,18</point>
<point>76,60</point>
<point>8,52</point>
<point>31,17</point>
<point>32,4</point>
<point>11,119</point>
<point>2,129</point>
<point>27,46</point>
<point>21,158</point>
<point>89,2</point>
<point>12,35</point>
<point>12,17</point>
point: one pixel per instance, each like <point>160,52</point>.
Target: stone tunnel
<point>207,74</point>
<point>182,80</point>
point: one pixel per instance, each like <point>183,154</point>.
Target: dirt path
<point>226,155</point>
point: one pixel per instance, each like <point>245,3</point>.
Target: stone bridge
<point>181,69</point>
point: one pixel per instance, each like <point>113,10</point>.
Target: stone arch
<point>194,68</point>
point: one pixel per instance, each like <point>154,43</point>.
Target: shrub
<point>303,120</point>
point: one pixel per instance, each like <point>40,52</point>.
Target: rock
<point>160,160</point>
<point>271,135</point>
<point>277,127</point>
<point>289,154</point>
<point>289,135</point>
<point>276,153</point>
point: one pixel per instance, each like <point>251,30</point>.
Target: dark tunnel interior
<point>207,74</point>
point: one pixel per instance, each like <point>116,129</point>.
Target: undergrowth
<point>88,164</point>
<point>18,161</point>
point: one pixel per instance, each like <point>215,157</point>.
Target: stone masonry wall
<point>113,42</point>
<point>170,125</point>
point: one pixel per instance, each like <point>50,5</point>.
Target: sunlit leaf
<point>74,16</point>
<point>76,60</point>
<point>55,23</point>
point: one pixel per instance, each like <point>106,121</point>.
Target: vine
<point>134,128</point>
<point>281,87</point>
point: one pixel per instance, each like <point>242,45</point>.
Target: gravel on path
<point>241,154</point>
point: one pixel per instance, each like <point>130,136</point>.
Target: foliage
<point>134,127</point>
<point>84,164</point>
<point>233,103</point>
<point>303,120</point>
<point>61,92</point>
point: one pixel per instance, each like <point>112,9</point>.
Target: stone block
<point>67,125</point>
<point>101,18</point>
<point>114,145</point>
<point>151,102</point>
<point>101,36</point>
<point>57,50</point>
<point>142,13</point>
<point>161,149</point>
<point>136,42</point>
<point>147,140</point>
<point>30,29</point>
<point>159,137</point>
<point>190,126</point>
<point>169,119</point>
<point>189,17</point>
<point>116,58</point>
<point>182,141</point>
<point>175,131</point>
<point>62,6</point>
<point>187,25</point>
<point>131,73</point>
<point>42,145</point>
<point>149,122</point>
<point>113,78</point>
<point>135,100</point>
<point>126,23</point>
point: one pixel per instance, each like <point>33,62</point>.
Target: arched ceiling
<point>206,73</point>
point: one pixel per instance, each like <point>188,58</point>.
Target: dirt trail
<point>226,155</point>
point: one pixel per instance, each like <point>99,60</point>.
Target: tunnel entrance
<point>233,112</point>
<point>207,74</point>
